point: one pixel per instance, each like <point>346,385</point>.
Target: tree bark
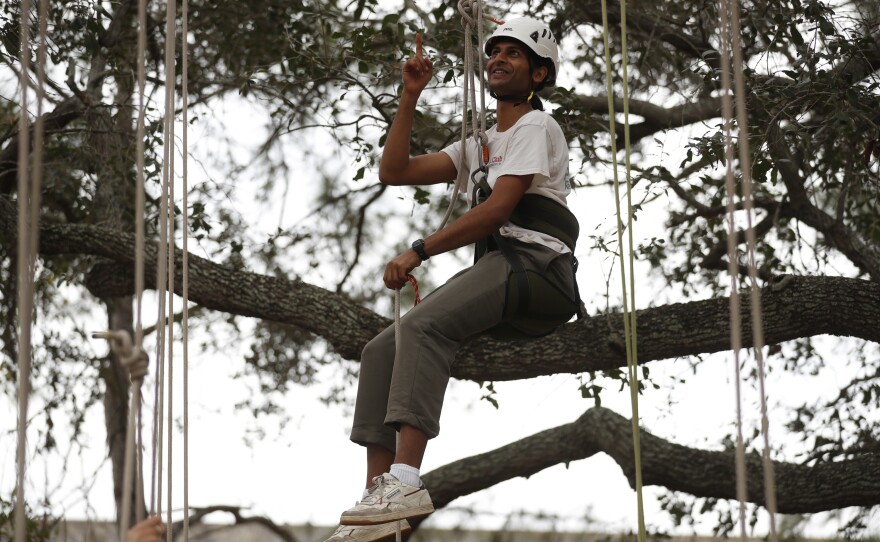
<point>800,489</point>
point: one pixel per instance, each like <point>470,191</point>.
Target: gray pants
<point>410,390</point>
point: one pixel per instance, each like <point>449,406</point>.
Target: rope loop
<point>467,9</point>
<point>120,341</point>
<point>135,359</point>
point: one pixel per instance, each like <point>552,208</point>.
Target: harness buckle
<point>481,187</point>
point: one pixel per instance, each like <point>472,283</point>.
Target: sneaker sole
<point>377,519</point>
<point>378,533</point>
<point>389,536</point>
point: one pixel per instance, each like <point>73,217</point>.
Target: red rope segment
<point>415,284</point>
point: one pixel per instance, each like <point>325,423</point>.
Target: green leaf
<point>795,34</point>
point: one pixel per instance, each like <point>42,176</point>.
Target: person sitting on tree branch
<point>399,400</point>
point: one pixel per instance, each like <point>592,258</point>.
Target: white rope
<point>730,30</point>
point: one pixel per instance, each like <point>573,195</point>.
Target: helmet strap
<point>519,99</point>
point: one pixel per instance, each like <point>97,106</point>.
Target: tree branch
<point>794,307</point>
<point>199,515</point>
<point>643,24</point>
<point>657,118</point>
<point>800,489</point>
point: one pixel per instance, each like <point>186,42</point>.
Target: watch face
<point>419,246</point>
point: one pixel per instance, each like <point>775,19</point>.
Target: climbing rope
<point>140,211</point>
<point>730,42</point>
<point>136,361</point>
<point>29,182</point>
<point>184,91</point>
<point>628,300</point>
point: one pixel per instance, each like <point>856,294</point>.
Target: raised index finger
<point>418,46</point>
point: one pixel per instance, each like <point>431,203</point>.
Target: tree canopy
<point>325,74</point>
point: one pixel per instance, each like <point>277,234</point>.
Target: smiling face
<point>509,70</point>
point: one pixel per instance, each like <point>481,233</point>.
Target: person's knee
<point>378,350</point>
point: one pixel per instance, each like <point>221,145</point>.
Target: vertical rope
<point>632,342</point>
<point>184,91</point>
<point>751,242</point>
<point>162,272</point>
<point>730,31</point>
<point>170,52</point>
<point>133,468</point>
<point>140,210</point>
<point>732,265</point>
<point>629,313</point>
<point>29,199</point>
<point>25,283</point>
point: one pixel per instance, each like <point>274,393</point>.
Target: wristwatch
<point>419,246</point>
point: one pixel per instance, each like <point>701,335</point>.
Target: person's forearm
<point>395,155</point>
<point>475,225</point>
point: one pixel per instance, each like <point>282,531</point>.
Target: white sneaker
<point>389,500</point>
<point>368,533</point>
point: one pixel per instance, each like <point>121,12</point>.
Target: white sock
<point>406,474</point>
<point>364,494</point>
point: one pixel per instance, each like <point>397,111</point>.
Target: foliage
<point>322,77</point>
<point>38,529</point>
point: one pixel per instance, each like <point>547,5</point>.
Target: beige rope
<point>162,271</point>
<point>140,210</point>
<point>25,283</point>
<point>184,91</point>
<point>730,30</point>
<point>168,181</point>
<point>136,361</point>
<point>29,198</point>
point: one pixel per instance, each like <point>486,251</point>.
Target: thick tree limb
<point>794,307</point>
<point>799,488</point>
<point>656,118</point>
<point>644,24</point>
<point>864,255</point>
<point>199,514</point>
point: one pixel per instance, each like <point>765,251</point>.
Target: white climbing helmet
<point>533,34</point>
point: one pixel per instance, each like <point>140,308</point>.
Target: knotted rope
<point>135,359</point>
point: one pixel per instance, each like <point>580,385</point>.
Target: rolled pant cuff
<point>424,424</point>
<point>365,435</point>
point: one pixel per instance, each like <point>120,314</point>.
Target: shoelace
<point>374,493</point>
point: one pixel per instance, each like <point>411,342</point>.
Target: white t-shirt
<point>534,145</point>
